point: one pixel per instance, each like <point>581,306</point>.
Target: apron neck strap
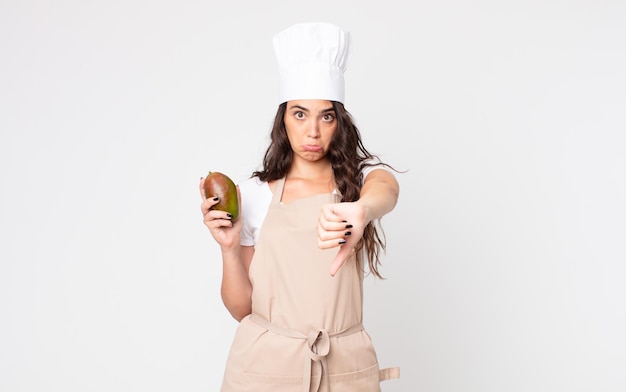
<point>278,191</point>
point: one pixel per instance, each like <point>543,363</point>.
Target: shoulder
<point>369,165</point>
<point>252,184</point>
<point>255,194</point>
<point>256,197</point>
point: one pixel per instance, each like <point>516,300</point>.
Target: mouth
<point>312,148</point>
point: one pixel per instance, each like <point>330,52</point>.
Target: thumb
<point>340,258</point>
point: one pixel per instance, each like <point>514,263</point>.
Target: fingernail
<point>201,178</point>
<point>349,226</point>
<point>348,233</point>
<point>344,221</point>
<point>229,215</point>
<point>216,198</point>
<point>341,242</point>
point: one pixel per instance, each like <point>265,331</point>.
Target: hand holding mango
<point>220,185</point>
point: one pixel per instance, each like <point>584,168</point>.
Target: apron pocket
<point>364,380</point>
<point>272,383</point>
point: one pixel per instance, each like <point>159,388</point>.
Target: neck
<point>310,170</point>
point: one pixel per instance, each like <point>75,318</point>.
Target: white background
<point>506,255</point>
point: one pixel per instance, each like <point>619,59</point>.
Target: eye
<point>328,117</point>
<point>299,115</point>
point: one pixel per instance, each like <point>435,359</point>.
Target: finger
<point>202,193</point>
<point>328,244</point>
<point>329,214</point>
<point>324,224</point>
<point>329,220</point>
<point>328,235</point>
<point>223,221</point>
<point>216,218</point>
<point>206,204</point>
<point>217,214</point>
<point>216,224</point>
<point>239,198</point>
<point>340,259</point>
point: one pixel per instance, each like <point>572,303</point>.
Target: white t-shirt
<point>256,197</point>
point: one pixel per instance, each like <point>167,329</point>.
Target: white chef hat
<point>312,58</point>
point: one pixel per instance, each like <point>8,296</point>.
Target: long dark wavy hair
<point>348,156</point>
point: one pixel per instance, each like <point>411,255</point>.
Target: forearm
<point>379,194</point>
<point>236,287</point>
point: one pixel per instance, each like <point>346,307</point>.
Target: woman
<point>293,265</point>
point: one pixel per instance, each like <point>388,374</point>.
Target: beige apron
<point>305,332</point>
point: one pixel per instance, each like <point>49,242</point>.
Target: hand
<point>341,224</point>
<point>223,230</point>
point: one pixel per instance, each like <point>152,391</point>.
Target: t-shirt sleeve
<point>373,164</point>
<point>255,200</point>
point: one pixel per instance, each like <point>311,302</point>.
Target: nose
<point>313,129</point>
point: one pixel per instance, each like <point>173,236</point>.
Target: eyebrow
<point>330,109</point>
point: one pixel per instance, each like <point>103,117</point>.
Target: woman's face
<point>310,125</point>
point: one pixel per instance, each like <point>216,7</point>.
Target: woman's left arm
<point>379,194</point>
<point>342,224</point>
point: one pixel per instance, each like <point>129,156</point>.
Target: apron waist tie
<point>318,347</point>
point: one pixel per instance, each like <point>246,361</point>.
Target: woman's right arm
<point>236,287</point>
